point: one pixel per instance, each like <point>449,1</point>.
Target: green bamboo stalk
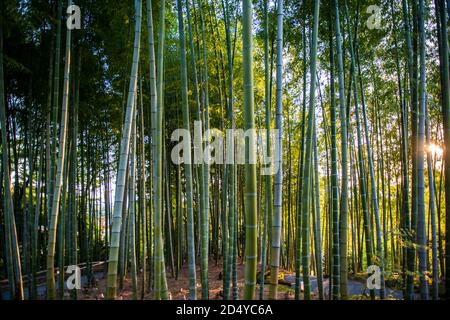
<point>160,283</point>
<point>47,148</point>
<point>410,218</point>
<point>122,169</point>
<point>51,291</point>
<point>404,219</point>
<point>231,168</point>
<point>250,154</point>
<point>316,221</point>
<point>268,208</point>
<point>168,205</point>
<point>277,216</point>
<point>153,102</point>
<point>421,228</point>
<point>73,258</point>
<point>444,70</point>
<point>142,194</point>
<point>132,208</point>
<point>308,157</point>
<point>124,232</point>
<point>432,212</point>
<point>35,228</point>
<point>334,178</point>
<point>61,236</point>
<point>298,242</point>
<point>187,155</point>
<point>28,208</point>
<point>54,115</point>
<point>205,227</point>
<point>344,174</point>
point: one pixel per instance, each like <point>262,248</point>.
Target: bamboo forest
<point>224,150</point>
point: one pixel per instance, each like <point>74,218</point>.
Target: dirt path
<point>355,288</point>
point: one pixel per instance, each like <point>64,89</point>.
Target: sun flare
<point>436,150</point>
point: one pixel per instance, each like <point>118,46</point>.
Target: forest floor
<point>178,288</point>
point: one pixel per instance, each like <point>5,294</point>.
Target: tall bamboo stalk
<point>153,102</point>
<point>421,227</point>
<point>409,218</point>
<point>268,207</point>
<point>432,212</point>
<point>308,157</point>
<point>160,283</point>
<point>334,180</point>
<point>250,156</point>
<point>204,190</point>
<point>316,221</point>
<point>444,70</point>
<point>54,112</point>
<point>277,216</point>
<point>123,160</point>
<point>132,208</point>
<point>51,291</point>
<point>344,173</point>
<point>187,155</point>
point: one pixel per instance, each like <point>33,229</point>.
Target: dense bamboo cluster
<point>337,176</point>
